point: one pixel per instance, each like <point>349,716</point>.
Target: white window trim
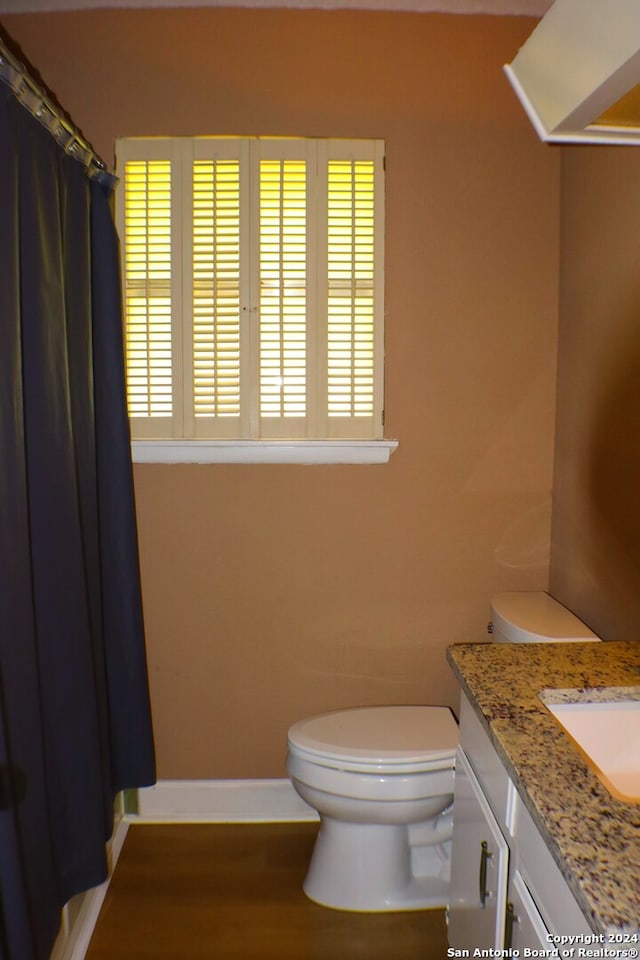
<point>263,451</point>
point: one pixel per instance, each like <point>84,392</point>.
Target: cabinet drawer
<point>486,763</point>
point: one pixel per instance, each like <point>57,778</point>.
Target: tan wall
<point>273,592</point>
<point>596,529</point>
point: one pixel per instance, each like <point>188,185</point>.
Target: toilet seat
<point>390,739</point>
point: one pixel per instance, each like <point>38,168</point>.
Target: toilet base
<point>374,868</point>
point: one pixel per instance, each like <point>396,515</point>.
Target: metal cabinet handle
<point>485,853</point>
<point>510,919</point>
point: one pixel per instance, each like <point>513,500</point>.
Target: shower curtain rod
<point>32,96</point>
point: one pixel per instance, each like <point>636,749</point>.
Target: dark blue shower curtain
<point>75,725</point>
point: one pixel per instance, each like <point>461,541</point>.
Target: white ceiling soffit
<point>535,8</point>
<point>578,74</point>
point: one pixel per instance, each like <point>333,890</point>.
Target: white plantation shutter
<point>284,223</point>
<point>283,288</point>
<point>350,175</point>
<point>147,209</point>
<point>253,287</point>
<point>350,283</point>
<point>148,286</point>
<point>216,279</point>
<point>216,288</point>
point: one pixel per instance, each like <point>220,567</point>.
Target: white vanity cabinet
<point>506,889</point>
<point>479,866</point>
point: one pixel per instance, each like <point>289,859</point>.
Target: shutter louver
<point>283,295</point>
<point>216,288</point>
<point>350,275</point>
<point>147,288</point>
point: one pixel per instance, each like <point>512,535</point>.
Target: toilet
<point>381,779</point>
<point>520,617</point>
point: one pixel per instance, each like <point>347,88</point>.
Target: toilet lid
<point>380,735</point>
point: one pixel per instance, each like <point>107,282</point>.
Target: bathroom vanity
<point>541,849</point>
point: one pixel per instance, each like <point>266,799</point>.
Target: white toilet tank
<point>534,617</point>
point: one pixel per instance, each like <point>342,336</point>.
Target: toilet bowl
<point>381,779</point>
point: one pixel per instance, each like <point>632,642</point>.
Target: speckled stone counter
<point>593,837</point>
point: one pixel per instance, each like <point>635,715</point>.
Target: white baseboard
<point>221,801</point>
<point>80,916</point>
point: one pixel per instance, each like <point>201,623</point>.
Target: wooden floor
<point>235,891</point>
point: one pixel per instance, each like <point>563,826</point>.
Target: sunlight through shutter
<point>147,288</point>
<point>283,293</point>
<point>350,276</point>
<point>216,288</point>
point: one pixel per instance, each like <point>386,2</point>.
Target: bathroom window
<point>253,288</point>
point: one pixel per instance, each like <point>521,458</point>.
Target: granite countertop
<point>593,837</point>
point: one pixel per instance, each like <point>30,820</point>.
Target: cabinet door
<point>525,926</point>
<point>479,867</point>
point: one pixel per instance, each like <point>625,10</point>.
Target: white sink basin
<point>606,731</point>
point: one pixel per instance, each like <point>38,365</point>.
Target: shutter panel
<point>283,300</point>
<point>216,288</point>
<point>147,288</point>
<point>350,282</point>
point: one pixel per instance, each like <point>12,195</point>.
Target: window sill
<point>262,451</point>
